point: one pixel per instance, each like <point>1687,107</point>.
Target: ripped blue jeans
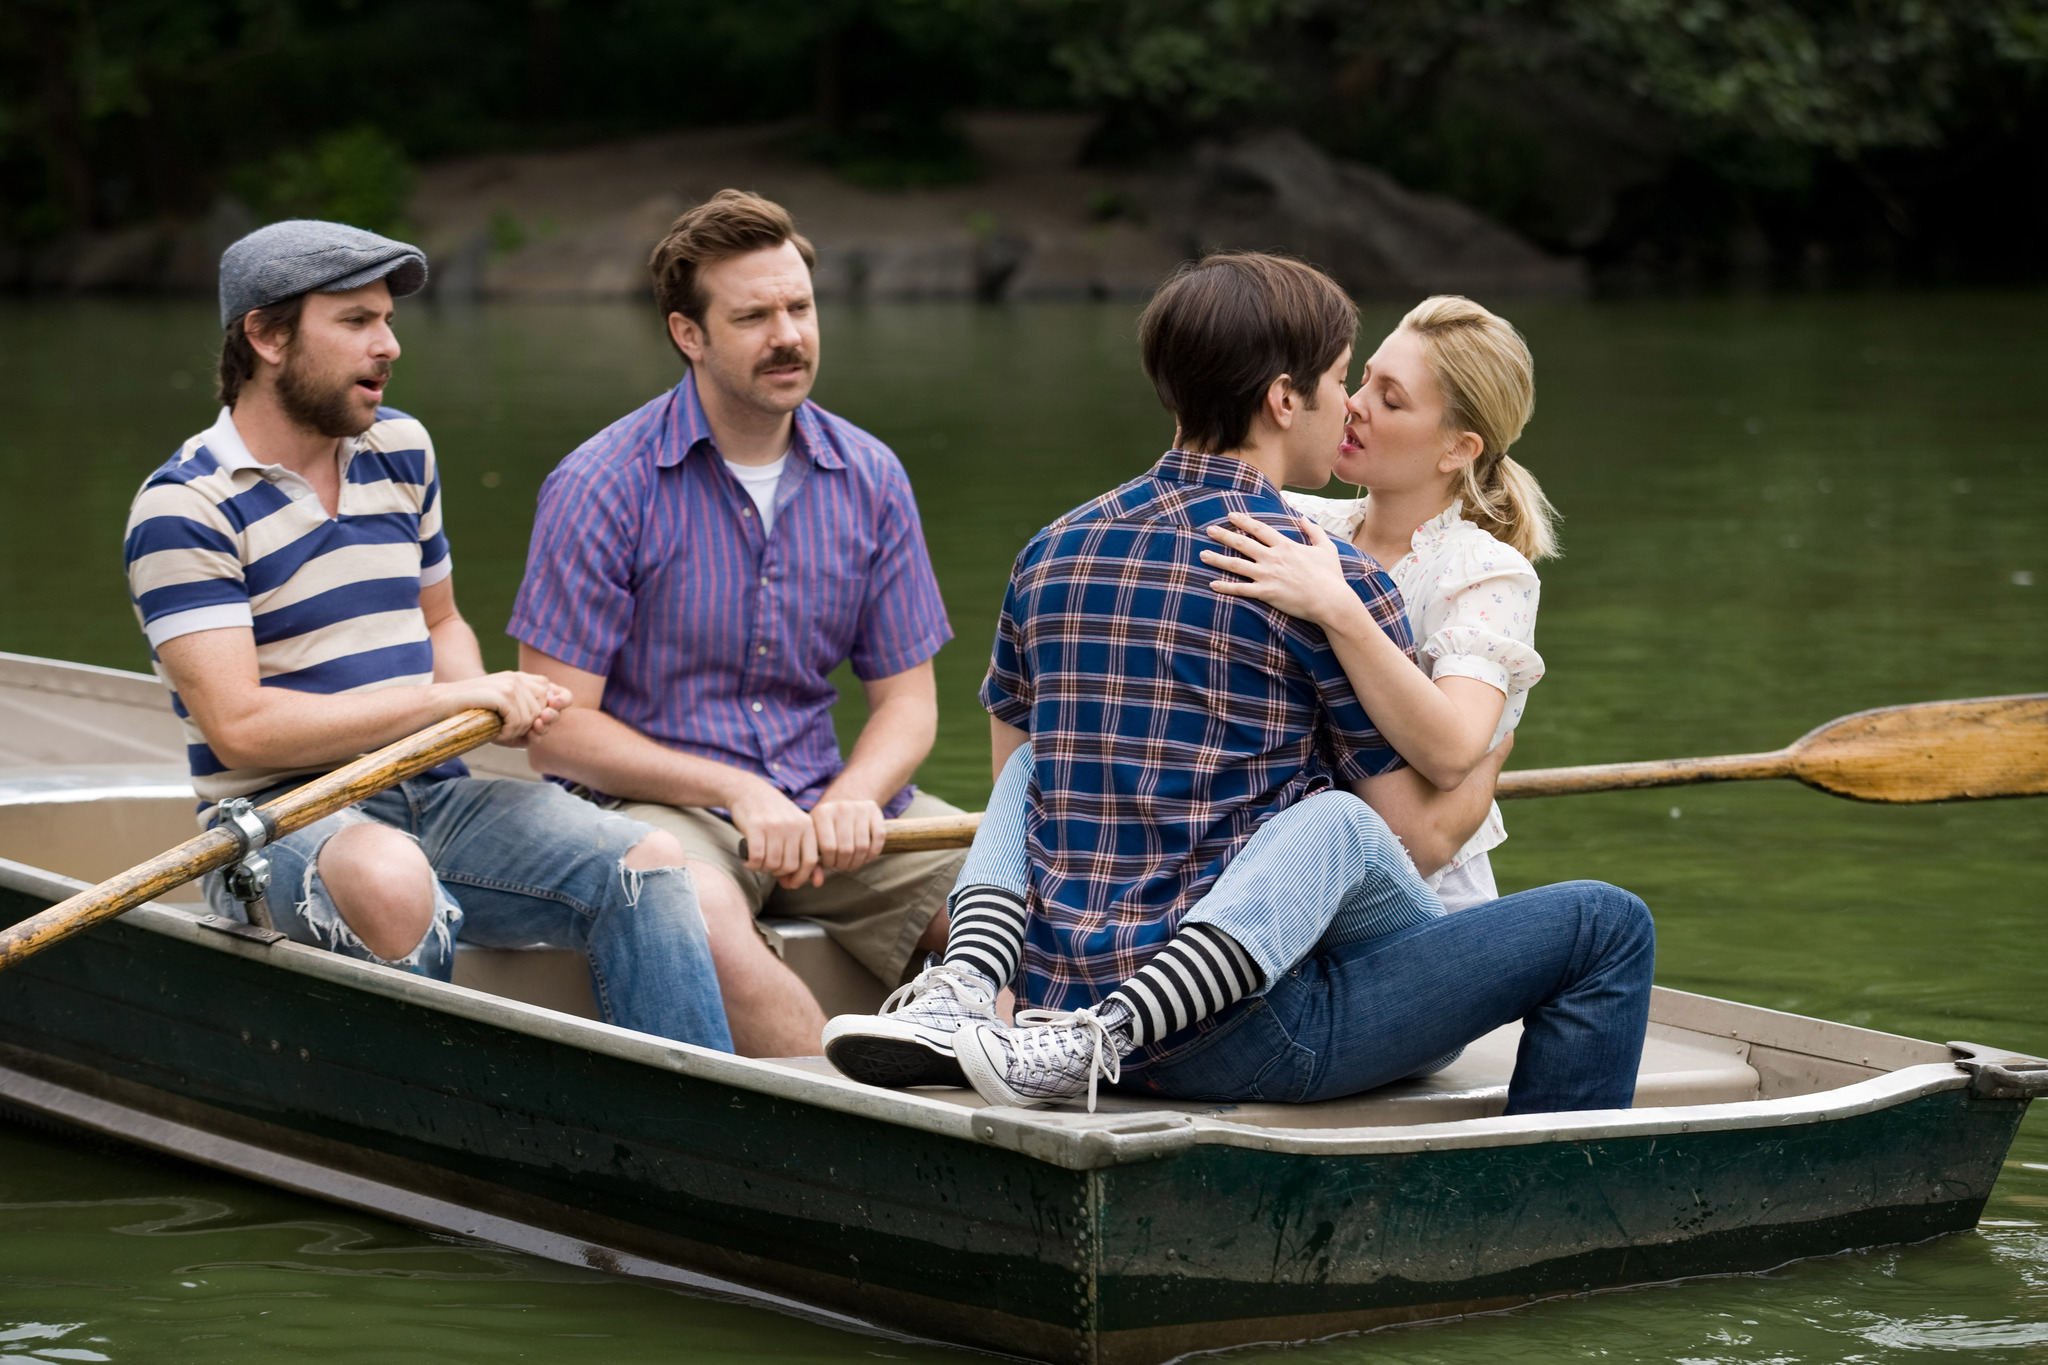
<point>520,865</point>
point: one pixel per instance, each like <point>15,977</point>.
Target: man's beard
<point>322,404</point>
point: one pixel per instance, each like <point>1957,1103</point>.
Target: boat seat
<point>93,820</point>
<point>1679,1067</point>
<point>559,978</point>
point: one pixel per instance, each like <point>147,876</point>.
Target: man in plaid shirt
<point>1168,721</point>
<point>1184,747</point>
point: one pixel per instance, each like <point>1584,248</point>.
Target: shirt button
<point>762,649</point>
<point>746,511</point>
<point>757,706</point>
<point>764,580</point>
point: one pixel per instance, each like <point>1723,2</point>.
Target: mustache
<point>783,355</point>
<point>380,369</point>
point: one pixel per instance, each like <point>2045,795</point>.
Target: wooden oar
<point>1932,751</point>
<point>218,847</point>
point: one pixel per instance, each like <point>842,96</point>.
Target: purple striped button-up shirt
<point>648,566</point>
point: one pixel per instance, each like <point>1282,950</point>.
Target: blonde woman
<point>1457,522</point>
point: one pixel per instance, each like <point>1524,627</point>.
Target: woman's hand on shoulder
<point>1305,581</point>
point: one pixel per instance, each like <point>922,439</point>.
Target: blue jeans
<point>997,857</point>
<point>1571,961</point>
<point>1326,870</point>
<point>521,865</point>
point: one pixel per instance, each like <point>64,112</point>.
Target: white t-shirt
<point>759,480</point>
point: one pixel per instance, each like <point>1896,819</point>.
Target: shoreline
<point>579,224</point>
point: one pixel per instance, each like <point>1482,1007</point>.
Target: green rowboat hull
<point>1120,1239</point>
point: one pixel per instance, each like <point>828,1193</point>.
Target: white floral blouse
<point>1472,609</point>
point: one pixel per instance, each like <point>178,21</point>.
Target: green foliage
<point>1901,126</point>
<point>1195,59</point>
<point>358,176</point>
<point>1816,73</point>
<point>76,73</point>
<point>508,234</point>
<point>1869,130</point>
<point>1847,78</point>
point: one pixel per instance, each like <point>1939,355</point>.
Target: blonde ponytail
<point>1488,381</point>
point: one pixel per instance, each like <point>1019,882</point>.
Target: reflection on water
<point>136,1261</point>
<point>1778,511</point>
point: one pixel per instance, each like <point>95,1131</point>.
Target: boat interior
<point>93,781</point>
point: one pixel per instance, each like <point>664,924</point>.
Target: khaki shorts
<point>877,913</point>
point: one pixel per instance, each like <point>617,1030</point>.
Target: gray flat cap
<point>304,255</point>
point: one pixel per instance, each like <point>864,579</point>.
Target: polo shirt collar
<point>226,446</point>
<point>224,442</point>
<point>1212,471</point>
<point>689,428</point>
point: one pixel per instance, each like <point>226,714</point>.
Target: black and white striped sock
<point>986,932</point>
<point>1201,971</point>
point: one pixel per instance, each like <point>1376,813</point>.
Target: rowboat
<point>499,1108</point>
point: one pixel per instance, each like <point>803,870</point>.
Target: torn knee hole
<point>657,850</point>
<point>634,879</point>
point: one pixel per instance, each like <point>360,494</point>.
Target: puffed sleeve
<point>1486,625</point>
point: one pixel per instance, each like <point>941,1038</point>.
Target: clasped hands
<point>526,703</point>
<point>796,846</point>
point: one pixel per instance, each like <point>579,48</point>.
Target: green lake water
<point>1777,511</point>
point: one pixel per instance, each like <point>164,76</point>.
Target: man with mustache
<point>289,569</point>
<point>698,570</point>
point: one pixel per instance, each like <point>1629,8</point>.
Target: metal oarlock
<point>248,881</point>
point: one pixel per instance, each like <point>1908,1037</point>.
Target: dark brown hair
<point>729,223</point>
<point>1222,329</point>
<point>238,357</point>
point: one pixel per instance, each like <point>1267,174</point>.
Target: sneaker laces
<point>1050,1050</point>
<point>970,987</point>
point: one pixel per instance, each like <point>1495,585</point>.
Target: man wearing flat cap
<point>290,571</point>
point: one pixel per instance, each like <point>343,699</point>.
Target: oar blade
<point>1970,750</point>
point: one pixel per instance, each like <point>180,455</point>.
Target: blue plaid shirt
<point>1167,721</point>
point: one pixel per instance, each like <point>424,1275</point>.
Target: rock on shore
<point>579,224</point>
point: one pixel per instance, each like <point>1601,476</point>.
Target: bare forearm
<point>585,745</point>
<point>1431,823</point>
<point>457,656</point>
<point>276,728</point>
<point>1004,739</point>
<point>896,739</point>
<point>1442,737</point>
<point>249,725</point>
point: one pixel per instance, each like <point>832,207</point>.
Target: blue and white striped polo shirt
<point>216,539</point>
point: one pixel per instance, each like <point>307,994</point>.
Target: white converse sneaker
<point>1050,1055</point>
<point>911,1041</point>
